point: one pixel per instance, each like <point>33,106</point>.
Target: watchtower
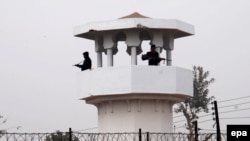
<point>135,96</point>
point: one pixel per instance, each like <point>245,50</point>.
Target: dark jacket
<point>86,64</point>
<point>153,58</point>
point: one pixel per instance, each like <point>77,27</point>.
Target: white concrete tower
<point>135,96</point>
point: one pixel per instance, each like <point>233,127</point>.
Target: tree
<point>2,131</point>
<point>191,107</point>
<point>60,136</point>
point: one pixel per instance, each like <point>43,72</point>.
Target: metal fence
<point>77,136</point>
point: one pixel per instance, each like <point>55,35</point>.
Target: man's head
<point>153,47</point>
<point>85,54</point>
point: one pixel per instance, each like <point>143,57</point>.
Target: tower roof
<point>134,15</point>
<point>134,21</point>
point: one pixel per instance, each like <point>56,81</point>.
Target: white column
<point>109,57</point>
<point>133,42</point>
<point>157,40</point>
<point>99,49</point>
<point>169,46</point>
<point>110,45</point>
<point>169,57</point>
<point>99,59</point>
<point>133,56</point>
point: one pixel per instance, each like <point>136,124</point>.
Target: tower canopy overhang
<point>135,21</point>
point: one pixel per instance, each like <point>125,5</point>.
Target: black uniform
<point>86,63</point>
<point>153,58</point>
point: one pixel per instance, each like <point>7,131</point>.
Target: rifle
<point>77,63</point>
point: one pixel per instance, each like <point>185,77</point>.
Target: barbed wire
<point>221,107</point>
<point>234,110</point>
<point>235,118</point>
<point>233,105</point>
<point>233,99</point>
<point>86,129</point>
<point>102,136</point>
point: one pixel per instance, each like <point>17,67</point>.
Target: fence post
<point>217,121</point>
<point>196,130</point>
<point>147,136</point>
<point>70,134</point>
<point>139,134</point>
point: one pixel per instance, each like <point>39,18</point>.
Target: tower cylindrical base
<point>130,114</point>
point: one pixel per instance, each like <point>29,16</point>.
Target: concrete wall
<point>124,116</point>
<point>136,79</point>
<point>133,97</point>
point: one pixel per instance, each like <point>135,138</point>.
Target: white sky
<point>37,50</point>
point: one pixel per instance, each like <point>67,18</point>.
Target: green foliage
<point>200,100</point>
<point>2,121</point>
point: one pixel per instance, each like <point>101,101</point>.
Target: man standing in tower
<point>152,56</point>
<point>86,63</point>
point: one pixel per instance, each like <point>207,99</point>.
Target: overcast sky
<point>38,85</point>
